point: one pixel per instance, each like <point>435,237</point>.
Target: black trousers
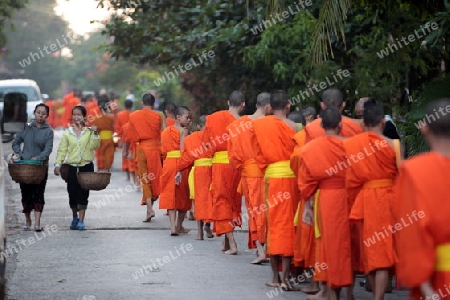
<point>78,197</point>
<point>33,195</point>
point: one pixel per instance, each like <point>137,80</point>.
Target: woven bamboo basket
<point>95,181</point>
<point>64,171</point>
<point>29,173</point>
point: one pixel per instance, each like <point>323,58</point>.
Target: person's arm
<point>18,140</point>
<point>48,147</point>
<point>94,141</point>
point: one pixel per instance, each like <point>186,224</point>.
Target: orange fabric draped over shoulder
<point>225,179</point>
<point>202,175</point>
<point>122,118</point>
<point>371,170</point>
<point>334,246</point>
<point>69,101</point>
<point>52,113</point>
<point>280,194</point>
<point>92,111</point>
<point>173,196</point>
<point>350,127</point>
<point>105,153</point>
<point>170,122</point>
<point>421,211</point>
<point>145,128</point>
<point>242,153</point>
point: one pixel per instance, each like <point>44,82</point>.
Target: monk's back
<point>371,157</point>
<point>170,139</point>
<point>322,157</point>
<point>349,128</point>
<point>244,141</point>
<point>275,138</point>
<point>147,123</point>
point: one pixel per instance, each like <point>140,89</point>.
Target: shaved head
<point>438,117</point>
<point>279,100</point>
<point>181,110</point>
<point>333,97</point>
<point>171,108</point>
<point>236,98</point>
<point>201,121</point>
<point>331,117</point>
<point>263,99</point>
<point>297,117</point>
<point>373,114</point>
<point>309,111</point>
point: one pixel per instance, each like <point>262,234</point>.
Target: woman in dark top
<point>35,142</point>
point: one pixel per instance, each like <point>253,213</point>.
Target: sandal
<point>26,228</point>
<point>80,226</point>
<point>74,224</point>
<point>38,228</point>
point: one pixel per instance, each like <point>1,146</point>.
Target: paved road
<point>120,257</point>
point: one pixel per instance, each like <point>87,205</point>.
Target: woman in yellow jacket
<point>77,148</point>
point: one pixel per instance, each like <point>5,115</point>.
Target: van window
<point>30,91</point>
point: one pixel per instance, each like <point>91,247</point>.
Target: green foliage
<point>7,9</point>
<point>429,92</point>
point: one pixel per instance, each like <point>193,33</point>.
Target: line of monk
<point>318,192</point>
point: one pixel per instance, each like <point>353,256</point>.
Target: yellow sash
<point>105,134</point>
<point>316,214</point>
<point>220,157</point>
<point>443,258</point>
<point>174,154</point>
<point>191,183</point>
<point>203,162</point>
<point>299,207</point>
<point>280,169</point>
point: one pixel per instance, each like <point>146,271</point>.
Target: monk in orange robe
<point>105,127</point>
<point>280,193</point>
<point>241,153</point>
<point>92,108</point>
<point>123,118</point>
<point>371,170</point>
<point>227,201</point>
<point>70,101</point>
<point>169,113</point>
<point>129,153</point>
<point>421,210</point>
<point>201,166</point>
<point>332,228</point>
<point>145,128</point>
<point>174,184</point>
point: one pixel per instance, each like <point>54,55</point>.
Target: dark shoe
<point>74,224</point>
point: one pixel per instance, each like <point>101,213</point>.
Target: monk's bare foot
<point>149,218</point>
<point>209,233</point>
<point>318,296</point>
<point>258,260</point>
<point>183,230</point>
<point>199,236</point>
<point>231,252</point>
<point>273,284</point>
<point>225,245</point>
<point>311,290</point>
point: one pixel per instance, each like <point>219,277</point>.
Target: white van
<point>22,86</point>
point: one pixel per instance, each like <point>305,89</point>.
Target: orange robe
<point>173,196</point>
<point>304,254</point>
<point>170,122</point>
<point>350,127</point>
<point>145,128</point>
<point>52,114</point>
<point>333,247</point>
<point>59,113</point>
<point>280,193</point>
<point>371,170</point>
<point>202,174</point>
<point>421,213</point>
<point>105,153</point>
<point>69,101</point>
<point>241,152</point>
<point>92,111</point>
<point>225,179</point>
<point>131,158</point>
<point>123,118</point>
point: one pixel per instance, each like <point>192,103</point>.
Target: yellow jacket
<point>77,150</point>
